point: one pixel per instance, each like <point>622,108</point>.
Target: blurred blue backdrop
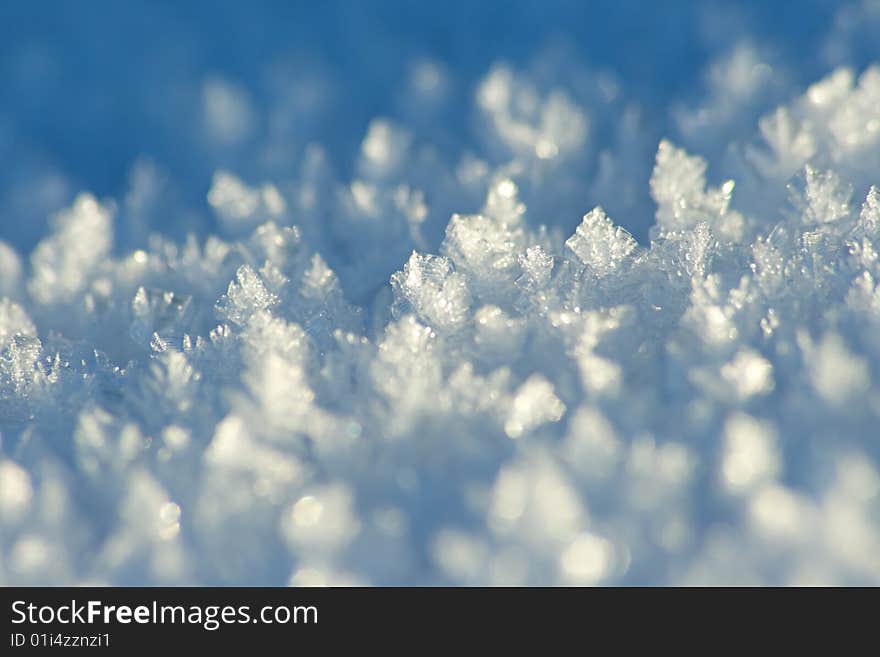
<point>86,88</point>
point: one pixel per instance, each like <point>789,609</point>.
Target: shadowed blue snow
<point>465,293</point>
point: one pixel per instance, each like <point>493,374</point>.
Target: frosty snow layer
<point>417,377</point>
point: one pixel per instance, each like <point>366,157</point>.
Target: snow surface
<point>572,311</point>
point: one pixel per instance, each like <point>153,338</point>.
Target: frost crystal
<point>599,244</point>
<point>354,321</point>
<point>433,290</point>
<point>246,295</point>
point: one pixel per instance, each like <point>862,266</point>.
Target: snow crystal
<point>433,290</point>
<point>465,319</point>
<point>599,244</point>
<point>246,295</point>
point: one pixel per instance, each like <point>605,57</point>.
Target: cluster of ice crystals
<point>426,371</point>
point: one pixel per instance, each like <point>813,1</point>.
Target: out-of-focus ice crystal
<point>63,263</point>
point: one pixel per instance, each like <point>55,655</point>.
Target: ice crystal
<point>328,334</point>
